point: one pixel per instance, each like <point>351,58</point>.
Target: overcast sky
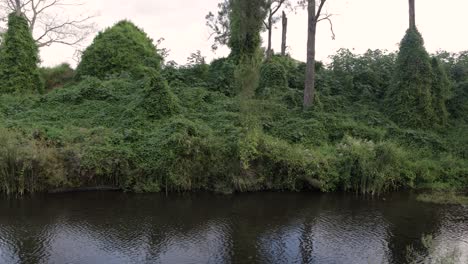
<point>359,25</point>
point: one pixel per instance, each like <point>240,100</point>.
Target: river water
<point>112,227</point>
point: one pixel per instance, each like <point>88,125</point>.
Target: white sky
<point>359,25</point>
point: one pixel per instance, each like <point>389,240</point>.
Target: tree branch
<point>319,11</point>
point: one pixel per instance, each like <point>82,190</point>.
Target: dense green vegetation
<point>123,48</point>
<point>19,57</point>
<point>380,122</point>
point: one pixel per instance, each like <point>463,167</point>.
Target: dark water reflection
<point>204,228</point>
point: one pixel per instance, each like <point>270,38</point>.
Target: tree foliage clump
<point>123,48</point>
<point>19,58</point>
<point>221,76</point>
<point>158,100</point>
<point>409,99</point>
<point>273,75</point>
<point>58,76</point>
<point>246,22</point>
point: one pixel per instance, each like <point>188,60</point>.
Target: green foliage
<point>246,22</point>
<point>57,77</point>
<point>440,92</point>
<point>221,76</point>
<point>27,166</point>
<point>371,168</point>
<point>409,99</point>
<point>19,58</point>
<point>362,77</point>
<point>458,104</point>
<point>158,100</point>
<point>143,135</point>
<point>123,48</point>
<point>272,76</point>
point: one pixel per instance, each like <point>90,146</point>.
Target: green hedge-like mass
<point>123,48</point>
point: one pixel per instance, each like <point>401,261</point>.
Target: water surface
<point>245,228</point>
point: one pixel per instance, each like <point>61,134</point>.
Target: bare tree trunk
<point>285,31</point>
<point>270,33</point>
<point>18,7</point>
<point>309,89</point>
<point>412,13</point>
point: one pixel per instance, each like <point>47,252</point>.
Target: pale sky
<point>359,25</point>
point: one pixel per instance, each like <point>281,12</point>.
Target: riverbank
<point>447,197</point>
<point>117,132</point>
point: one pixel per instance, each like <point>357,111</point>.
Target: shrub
<point>272,76</point>
<point>28,166</point>
<point>370,168</point>
<point>123,48</point>
<point>440,92</point>
<point>57,77</point>
<point>458,103</point>
<point>158,101</point>
<point>221,76</point>
<point>19,58</point>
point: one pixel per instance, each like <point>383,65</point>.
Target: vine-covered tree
<point>123,48</point>
<point>420,87</point>
<point>220,24</point>
<point>409,99</point>
<point>19,58</point>
<point>246,20</point>
<point>48,21</point>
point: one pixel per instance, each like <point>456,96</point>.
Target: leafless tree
<point>284,33</point>
<point>315,10</point>
<point>273,6</point>
<point>48,22</point>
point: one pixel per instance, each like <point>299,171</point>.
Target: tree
<point>219,24</point>
<point>314,17</point>
<point>284,20</point>
<point>19,58</point>
<point>409,99</point>
<point>47,23</point>
<point>123,48</point>
<point>273,6</point>
<point>246,20</point>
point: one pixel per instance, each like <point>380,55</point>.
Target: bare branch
<point>48,23</point>
<point>319,11</point>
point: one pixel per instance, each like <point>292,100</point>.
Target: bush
<point>123,48</point>
<point>221,76</point>
<point>19,58</point>
<point>441,88</point>
<point>28,166</point>
<point>57,77</point>
<point>158,100</point>
<point>458,103</point>
<point>370,168</point>
<point>272,76</point>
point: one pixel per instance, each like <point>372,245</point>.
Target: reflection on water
<point>244,228</point>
